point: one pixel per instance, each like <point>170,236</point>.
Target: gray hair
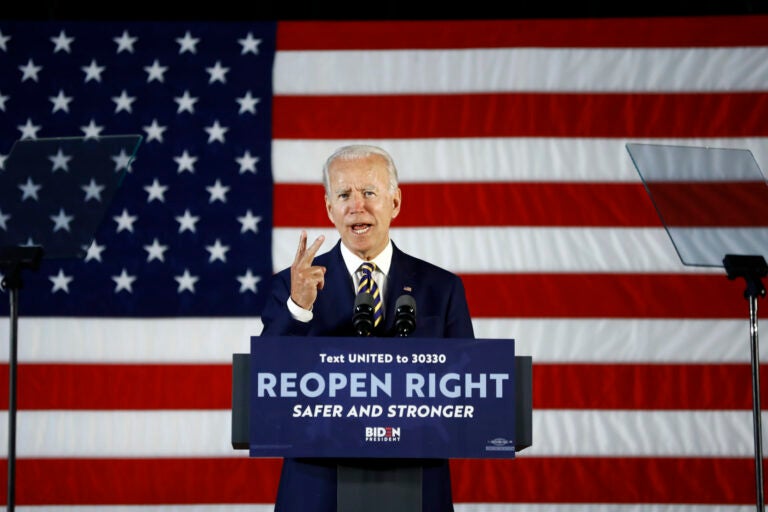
<point>355,151</point>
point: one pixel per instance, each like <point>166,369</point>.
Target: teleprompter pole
<point>752,269</point>
<point>13,260</point>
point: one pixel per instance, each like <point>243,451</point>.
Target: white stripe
<point>479,250</point>
<point>514,159</point>
<point>521,69</point>
<point>623,340</point>
<point>621,433</point>
<point>551,340</point>
<point>105,434</point>
<point>167,340</point>
<point>611,433</point>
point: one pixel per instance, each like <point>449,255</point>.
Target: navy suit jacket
<point>309,485</point>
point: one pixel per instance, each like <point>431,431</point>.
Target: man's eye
<point>343,196</point>
<point>369,193</point>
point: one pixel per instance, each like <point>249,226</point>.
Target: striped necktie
<point>367,284</point>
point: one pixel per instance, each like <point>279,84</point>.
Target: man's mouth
<point>360,229</point>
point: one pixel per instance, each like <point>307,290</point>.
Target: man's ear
<point>396,201</point>
<point>328,209</point>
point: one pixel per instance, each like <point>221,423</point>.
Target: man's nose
<point>358,202</point>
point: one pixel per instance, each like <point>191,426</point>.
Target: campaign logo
<point>500,444</point>
<point>382,434</point>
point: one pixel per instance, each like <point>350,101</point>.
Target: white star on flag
<point>247,103</point>
<point>62,42</point>
<point>125,221</point>
<point>93,190</point>
<point>186,281</point>
<point>156,251</point>
<point>156,191</point>
<point>61,220</point>
<point>186,103</point>
<point>28,130</point>
<point>248,282</point>
<point>216,132</point>
<point>218,251</point>
<point>187,43</point>
<point>60,102</point>
<point>186,162</point>
<point>93,71</point>
<point>29,190</point>
<point>155,131</point>
<point>125,42</point>
<point>60,282</point>
<point>249,222</point>
<point>92,130</point>
<point>93,251</point>
<point>187,221</point>
<point>123,102</point>
<point>30,71</point>
<point>124,281</point>
<point>218,73</point>
<point>218,192</point>
<point>247,162</point>
<point>60,161</point>
<point>156,71</point>
<point>250,44</point>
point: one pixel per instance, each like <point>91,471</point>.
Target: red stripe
<point>406,116</point>
<point>551,204</point>
<point>492,204</point>
<point>564,33</point>
<point>144,481</point>
<point>120,386</point>
<point>727,481</point>
<point>742,204</point>
<point>644,386</point>
<point>605,296</point>
<point>605,480</point>
<point>48,386</point>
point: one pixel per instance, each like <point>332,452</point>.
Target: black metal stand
<point>752,269</point>
<point>13,260</point>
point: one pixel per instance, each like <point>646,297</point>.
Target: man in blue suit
<point>316,297</point>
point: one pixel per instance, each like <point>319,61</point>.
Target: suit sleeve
<point>458,323</point>
<point>276,317</point>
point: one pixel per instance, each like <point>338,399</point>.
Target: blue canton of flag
<point>188,232</point>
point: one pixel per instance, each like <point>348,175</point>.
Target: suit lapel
<point>400,281</point>
<point>338,288</point>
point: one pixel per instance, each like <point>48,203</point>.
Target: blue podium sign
<point>382,397</point>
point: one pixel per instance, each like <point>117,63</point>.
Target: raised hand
<point>306,279</point>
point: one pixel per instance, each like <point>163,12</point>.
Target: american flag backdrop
<point>510,139</point>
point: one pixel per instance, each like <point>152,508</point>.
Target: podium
<point>381,470</point>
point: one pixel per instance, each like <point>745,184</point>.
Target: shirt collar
<point>383,261</point>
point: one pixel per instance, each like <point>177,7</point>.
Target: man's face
<point>361,205</point>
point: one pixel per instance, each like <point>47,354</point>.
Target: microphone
<point>362,314</point>
<point>405,315</point>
